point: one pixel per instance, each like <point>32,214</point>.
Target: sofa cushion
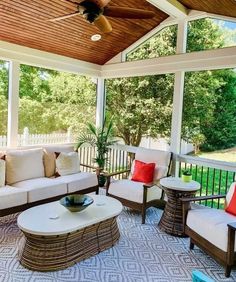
<point>49,157</point>
<point>12,197</point>
<point>24,164</point>
<point>133,191</point>
<point>209,222</point>
<point>79,181</point>
<point>67,163</point>
<point>2,172</point>
<point>42,188</point>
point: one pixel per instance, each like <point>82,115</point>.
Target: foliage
<point>99,137</point>
<point>138,108</point>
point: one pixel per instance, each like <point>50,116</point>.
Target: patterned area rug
<point>143,254</point>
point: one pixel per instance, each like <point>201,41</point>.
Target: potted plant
<point>186,175</point>
<point>101,138</point>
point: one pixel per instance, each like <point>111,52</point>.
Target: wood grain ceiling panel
<point>25,22</point>
<point>221,7</point>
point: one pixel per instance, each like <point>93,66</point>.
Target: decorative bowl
<point>76,202</point>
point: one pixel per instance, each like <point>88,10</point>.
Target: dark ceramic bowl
<point>76,203</point>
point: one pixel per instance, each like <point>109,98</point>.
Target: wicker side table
<point>172,218</point>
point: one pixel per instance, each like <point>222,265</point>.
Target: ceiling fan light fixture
<point>96,37</point>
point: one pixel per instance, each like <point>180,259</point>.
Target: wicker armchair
<point>137,195</point>
<point>212,230</point>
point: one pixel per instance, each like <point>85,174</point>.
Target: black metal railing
<point>215,177</point>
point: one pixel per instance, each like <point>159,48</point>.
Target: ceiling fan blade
<point>65,17</point>
<point>103,24</point>
<point>129,13</point>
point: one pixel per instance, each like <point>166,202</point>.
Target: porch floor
<point>144,253</point>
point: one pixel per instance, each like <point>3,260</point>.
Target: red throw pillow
<point>231,208</point>
<point>143,172</point>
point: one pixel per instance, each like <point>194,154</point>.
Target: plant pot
<point>186,178</point>
<point>101,180</point>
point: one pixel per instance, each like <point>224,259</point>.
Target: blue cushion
<point>198,276</point>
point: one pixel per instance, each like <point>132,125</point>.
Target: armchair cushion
<point>160,158</point>
<point>143,172</point>
<point>231,207</point>
<point>133,191</point>
<point>214,226</point>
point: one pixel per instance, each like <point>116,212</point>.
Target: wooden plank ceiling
<point>220,7</point>
<point>25,22</point>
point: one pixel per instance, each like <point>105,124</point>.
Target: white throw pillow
<point>24,164</point>
<point>2,172</point>
<point>67,163</point>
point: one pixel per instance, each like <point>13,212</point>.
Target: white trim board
<point>171,7</point>
<point>33,57</point>
<point>195,61</point>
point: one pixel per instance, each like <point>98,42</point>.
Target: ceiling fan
<point>95,11</point>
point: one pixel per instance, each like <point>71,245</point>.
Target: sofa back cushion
<point>2,171</point>
<point>49,157</point>
<point>160,158</point>
<point>67,163</point>
<point>24,164</point>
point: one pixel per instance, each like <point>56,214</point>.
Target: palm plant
<point>99,137</point>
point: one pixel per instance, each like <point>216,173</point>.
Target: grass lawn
<point>228,155</point>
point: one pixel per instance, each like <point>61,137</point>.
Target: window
<point>208,33</point>
<point>209,114</point>
<point>141,108</point>
<point>54,106</point>
<point>161,44</point>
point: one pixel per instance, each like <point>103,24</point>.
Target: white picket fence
<point>32,139</point>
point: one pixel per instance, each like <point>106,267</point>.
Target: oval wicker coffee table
<point>172,218</point>
<point>56,238</point>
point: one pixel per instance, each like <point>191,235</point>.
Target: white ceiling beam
<point>195,61</point>
<point>172,8</point>
<point>33,57</point>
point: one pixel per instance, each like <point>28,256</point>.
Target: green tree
<point>221,132</point>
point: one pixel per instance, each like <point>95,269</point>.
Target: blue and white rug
<point>143,254</point>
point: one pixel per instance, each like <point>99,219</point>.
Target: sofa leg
<point>97,191</point>
<point>191,245</point>
<point>228,270</point>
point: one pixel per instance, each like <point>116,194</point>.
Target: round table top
<point>176,183</point>
<point>55,219</point>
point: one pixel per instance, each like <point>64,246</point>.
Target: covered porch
<point>144,253</point>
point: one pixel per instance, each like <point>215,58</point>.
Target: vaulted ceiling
<point>25,22</point>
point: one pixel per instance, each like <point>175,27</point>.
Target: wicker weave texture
<point>50,253</point>
<point>172,218</point>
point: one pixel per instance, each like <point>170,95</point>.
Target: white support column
<point>178,94</point>
<point>13,103</point>
<point>100,110</point>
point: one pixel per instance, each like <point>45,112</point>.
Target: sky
<point>230,25</point>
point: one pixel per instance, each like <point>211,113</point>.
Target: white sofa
<point>34,187</point>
